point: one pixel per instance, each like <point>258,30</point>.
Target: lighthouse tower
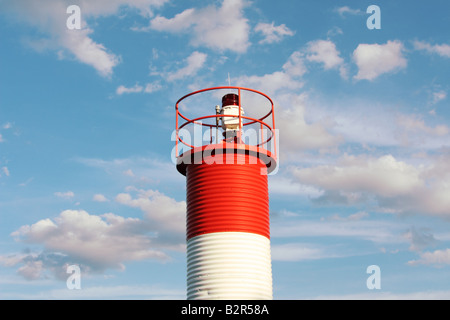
<point>227,218</point>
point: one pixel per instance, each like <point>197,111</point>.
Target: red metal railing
<point>242,124</point>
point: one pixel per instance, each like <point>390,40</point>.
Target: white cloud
<point>223,28</point>
<point>5,171</point>
<point>50,17</point>
<point>298,252</point>
<point>376,231</point>
<point>65,195</point>
<point>287,79</point>
<point>149,88</point>
<point>270,83</point>
<point>438,96</point>
<point>295,66</point>
<point>99,198</point>
<point>347,10</point>
<point>285,186</point>
<point>419,238</point>
<point>438,258</point>
<point>283,87</point>
<point>178,23</point>
<point>416,123</point>
<point>152,87</point>
<point>146,170</point>
<point>34,266</point>
<point>325,52</point>
<point>273,33</point>
<point>89,52</point>
<point>193,64</point>
<point>109,7</point>
<point>382,125</point>
<point>165,213</point>
<point>290,113</point>
<point>334,31</point>
<point>135,89</point>
<point>94,242</point>
<point>353,217</point>
<point>1,138</point>
<point>442,50</point>
<point>374,60</point>
<point>129,173</point>
<point>394,185</point>
<point>291,119</point>
<point>383,176</point>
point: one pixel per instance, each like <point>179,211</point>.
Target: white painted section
<point>229,266</point>
<point>231,123</point>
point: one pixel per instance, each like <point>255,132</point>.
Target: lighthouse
<point>227,198</point>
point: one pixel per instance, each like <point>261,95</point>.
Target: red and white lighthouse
<point>227,221</point>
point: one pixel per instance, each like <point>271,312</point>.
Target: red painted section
<point>230,99</point>
<point>227,197</point>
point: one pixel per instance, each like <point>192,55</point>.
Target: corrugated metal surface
<point>229,266</point>
<point>227,197</point>
<point>223,151</point>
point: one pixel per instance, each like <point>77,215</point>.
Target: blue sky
<point>87,115</point>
